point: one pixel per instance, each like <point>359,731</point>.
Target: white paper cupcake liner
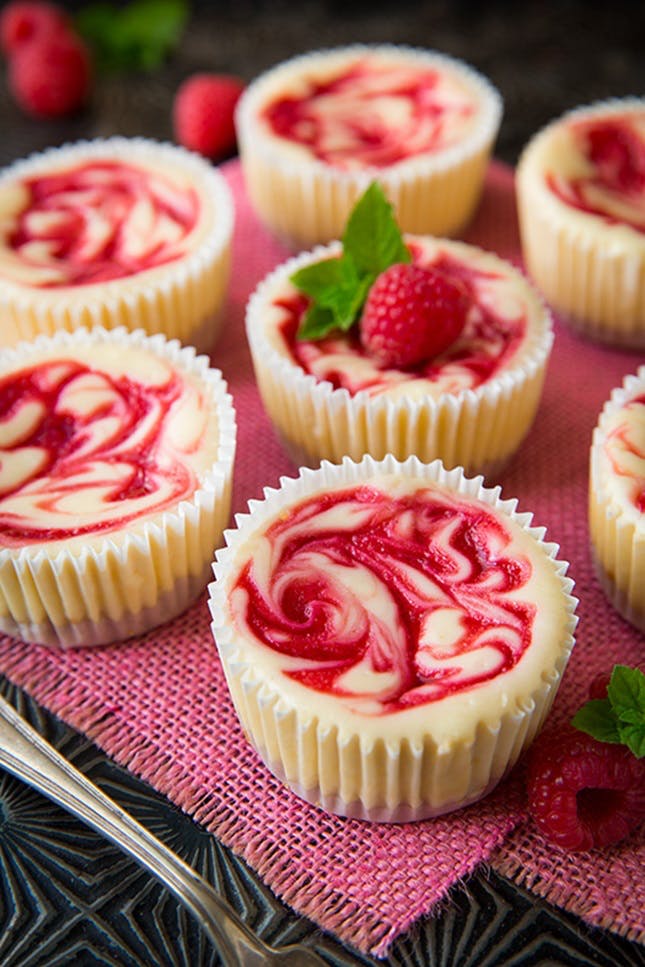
<point>592,272</point>
<point>617,536</point>
<point>306,201</point>
<point>104,588</point>
<point>352,765</point>
<point>181,299</point>
<point>478,429</point>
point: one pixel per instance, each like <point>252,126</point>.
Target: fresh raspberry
<point>411,314</point>
<point>51,76</point>
<point>599,685</point>
<point>203,113</point>
<point>23,21</point>
<point>584,793</point>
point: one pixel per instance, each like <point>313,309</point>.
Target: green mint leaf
<point>319,279</point>
<point>317,323</point>
<point>626,692</point>
<point>96,25</point>
<point>338,312</point>
<point>155,26</point>
<point>347,302</point>
<point>597,718</point>
<point>633,736</point>
<point>621,716</point>
<point>372,236</point>
<point>138,36</point>
<point>338,287</point>
<point>630,716</point>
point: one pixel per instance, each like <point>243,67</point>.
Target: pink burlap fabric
<point>159,704</point>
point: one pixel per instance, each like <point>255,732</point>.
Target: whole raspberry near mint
<point>481,334</point>
<point>51,76</point>
<point>411,314</point>
<point>203,114</point>
<point>584,793</point>
<point>599,685</point>
<point>23,22</point>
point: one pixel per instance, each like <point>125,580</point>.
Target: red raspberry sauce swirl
<point>74,470</point>
<point>615,190</point>
<point>102,220</point>
<point>363,596</point>
<point>357,130</point>
<point>624,441</point>
<point>486,344</point>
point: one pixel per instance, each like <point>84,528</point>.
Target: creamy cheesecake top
<point>362,107</point>
<point>93,222</point>
<point>610,155</point>
<point>504,320</point>
<point>621,454</point>
<point>592,161</point>
<point>396,598</point>
<point>96,437</point>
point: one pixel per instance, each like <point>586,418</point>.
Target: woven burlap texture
<point>159,704</point>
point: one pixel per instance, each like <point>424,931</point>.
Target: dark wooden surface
<point>543,56</point>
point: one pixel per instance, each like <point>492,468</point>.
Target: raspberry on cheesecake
<point>480,339</point>
<point>411,314</point>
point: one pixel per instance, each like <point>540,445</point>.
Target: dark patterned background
<point>66,896</point>
<point>543,55</point>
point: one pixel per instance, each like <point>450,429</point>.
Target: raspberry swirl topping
<point>86,448</point>
<point>98,221</point>
<point>374,113</point>
<point>495,329</point>
<point>613,154</point>
<point>388,601</point>
<point>625,449</point>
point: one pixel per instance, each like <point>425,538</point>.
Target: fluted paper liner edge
<point>618,543</point>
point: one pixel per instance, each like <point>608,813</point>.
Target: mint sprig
<point>337,287</point>
<point>137,36</point>
<point>619,718</point>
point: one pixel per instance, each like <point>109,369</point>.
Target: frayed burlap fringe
<point>603,887</point>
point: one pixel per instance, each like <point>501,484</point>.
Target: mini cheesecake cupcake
<point>116,232</point>
<point>581,197</point>
<point>116,460</point>
<point>316,129</point>
<point>393,635</point>
<point>617,498</point>
<point>469,404</point>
